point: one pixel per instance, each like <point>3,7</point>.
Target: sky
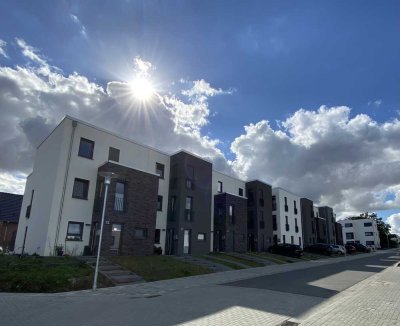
<point>304,95</point>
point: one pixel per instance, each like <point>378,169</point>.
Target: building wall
<point>327,214</point>
<point>230,185</point>
<point>139,211</point>
<point>230,234</point>
<point>358,229</point>
<point>281,214</point>
<point>259,216</point>
<point>187,167</point>
<point>308,221</point>
<point>8,232</point>
<point>339,233</point>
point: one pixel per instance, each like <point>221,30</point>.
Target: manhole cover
<point>289,323</point>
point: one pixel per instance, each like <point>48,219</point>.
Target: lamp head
<point>108,176</point>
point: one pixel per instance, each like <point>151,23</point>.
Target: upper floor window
<point>81,189</point>
<point>349,235</point>
<point>295,206</point>
<point>231,211</point>
<point>159,203</point>
<point>240,191</point>
<point>113,154</point>
<point>219,187</point>
<point>286,205</point>
<point>75,231</point>
<point>368,224</point>
<point>261,197</point>
<point>160,170</point>
<point>189,203</point>
<point>348,225</point>
<point>369,234</point>
<point>189,184</point>
<point>86,148</point>
<point>119,196</point>
<point>273,203</point>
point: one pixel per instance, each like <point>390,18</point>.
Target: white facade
<point>364,231</point>
<point>224,183</point>
<point>56,166</point>
<point>286,206</point>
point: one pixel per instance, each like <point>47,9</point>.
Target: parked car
<point>360,247</point>
<point>286,249</point>
<point>350,248</point>
<point>337,249</point>
<point>320,248</point>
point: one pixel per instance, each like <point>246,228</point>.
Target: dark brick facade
<point>190,177</point>
<point>321,230</point>
<point>230,233</point>
<point>259,216</point>
<point>339,233</point>
<point>139,211</point>
<point>308,222</point>
<point>326,213</point>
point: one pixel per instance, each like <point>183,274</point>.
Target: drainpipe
<point>71,141</point>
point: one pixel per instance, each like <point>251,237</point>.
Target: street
<point>295,294</point>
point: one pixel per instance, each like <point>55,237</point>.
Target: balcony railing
<point>287,227</point>
<point>28,211</point>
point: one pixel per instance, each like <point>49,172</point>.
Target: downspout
<point>74,124</point>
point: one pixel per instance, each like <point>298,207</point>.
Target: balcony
<point>287,227</point>
<point>188,214</point>
<point>296,228</point>
<point>28,211</point>
<point>286,208</point>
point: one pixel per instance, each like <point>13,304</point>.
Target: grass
<point>44,274</point>
<point>155,268</point>
<point>222,262</point>
<point>277,259</point>
<point>235,259</point>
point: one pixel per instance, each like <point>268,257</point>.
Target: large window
<point>140,233</point>
<point>231,211</point>
<point>119,196</point>
<point>219,187</point>
<point>159,203</point>
<point>286,205</point>
<point>113,154</point>
<point>349,235</point>
<point>81,189</point>
<point>369,243</point>
<point>86,148</point>
<point>348,225</point>
<point>369,234</point>
<point>160,170</point>
<point>74,231</point>
<point>189,208</point>
<point>368,224</point>
<point>241,192</point>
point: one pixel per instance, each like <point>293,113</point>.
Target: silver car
<point>338,249</point>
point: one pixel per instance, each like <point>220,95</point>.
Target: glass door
<point>186,241</point>
<point>116,230</point>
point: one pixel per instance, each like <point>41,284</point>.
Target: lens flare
<point>142,89</point>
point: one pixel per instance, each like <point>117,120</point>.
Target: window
<point>273,203</point>
<point>348,225</point>
<point>250,197</point>
<point>189,184</point>
<point>159,203</point>
<point>292,239</point>
<point>86,148</point>
<point>294,207</point>
<point>74,231</point>
<point>370,243</point>
<point>367,224</point>
<point>286,205</point>
<point>189,202</point>
<point>274,224</point>
<point>349,235</point>
<point>219,187</point>
<point>140,233</point>
<point>113,154</point>
<point>300,241</point>
<point>284,239</point>
<point>190,171</point>
<point>286,220</point>
<point>173,203</point>
<point>261,197</point>
<point>160,170</point>
<point>29,207</point>
<point>81,189</point>
<point>188,208</point>
<point>157,236</point>
<point>119,196</point>
<point>369,234</point>
<point>240,192</point>
<point>201,236</point>
<point>231,211</point>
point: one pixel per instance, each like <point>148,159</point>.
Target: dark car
<point>360,247</point>
<point>286,249</point>
<point>350,248</point>
<point>320,248</point>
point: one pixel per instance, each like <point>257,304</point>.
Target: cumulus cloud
<point>82,28</point>
<point>35,97</point>
<point>376,103</point>
<point>394,221</point>
<point>350,163</point>
<point>3,45</point>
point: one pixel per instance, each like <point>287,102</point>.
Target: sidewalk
<point>374,301</point>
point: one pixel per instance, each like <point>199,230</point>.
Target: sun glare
<point>142,89</point>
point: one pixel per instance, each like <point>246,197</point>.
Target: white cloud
<point>350,163</point>
<point>394,221</point>
<point>11,183</point>
<point>376,103</point>
<point>142,67</point>
<point>3,45</point>
<point>82,27</point>
<point>30,52</point>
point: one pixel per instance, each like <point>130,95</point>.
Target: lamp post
<point>107,180</point>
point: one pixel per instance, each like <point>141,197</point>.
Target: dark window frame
<point>201,233</point>
<point>115,197</point>
<point>80,153</point>
<point>113,154</point>
<point>74,236</point>
<point>86,193</point>
<point>157,236</point>
<point>159,203</point>
<point>219,186</point>
<point>240,192</point>
<point>145,233</point>
<point>160,167</point>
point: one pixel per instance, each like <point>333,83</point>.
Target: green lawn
<point>222,262</point>
<point>234,259</point>
<point>277,259</point>
<point>155,268</point>
<point>44,274</point>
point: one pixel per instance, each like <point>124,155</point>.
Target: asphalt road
<point>321,281</point>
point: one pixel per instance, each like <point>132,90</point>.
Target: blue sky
<point>272,57</point>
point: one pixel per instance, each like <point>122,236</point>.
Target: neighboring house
<point>364,231</point>
<point>326,213</point>
<point>308,222</point>
<point>10,208</point>
<point>339,233</point>
<point>286,210</point>
<point>320,227</point>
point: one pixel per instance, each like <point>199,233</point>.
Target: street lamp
<point>107,180</point>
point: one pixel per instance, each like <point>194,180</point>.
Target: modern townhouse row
<point>176,202</point>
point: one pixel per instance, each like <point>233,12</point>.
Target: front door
<point>116,230</point>
<point>186,242</point>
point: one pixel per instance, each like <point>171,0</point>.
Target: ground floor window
<point>75,231</point>
<point>201,236</point>
<point>140,233</point>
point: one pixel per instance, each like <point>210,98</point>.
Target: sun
<point>142,89</point>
